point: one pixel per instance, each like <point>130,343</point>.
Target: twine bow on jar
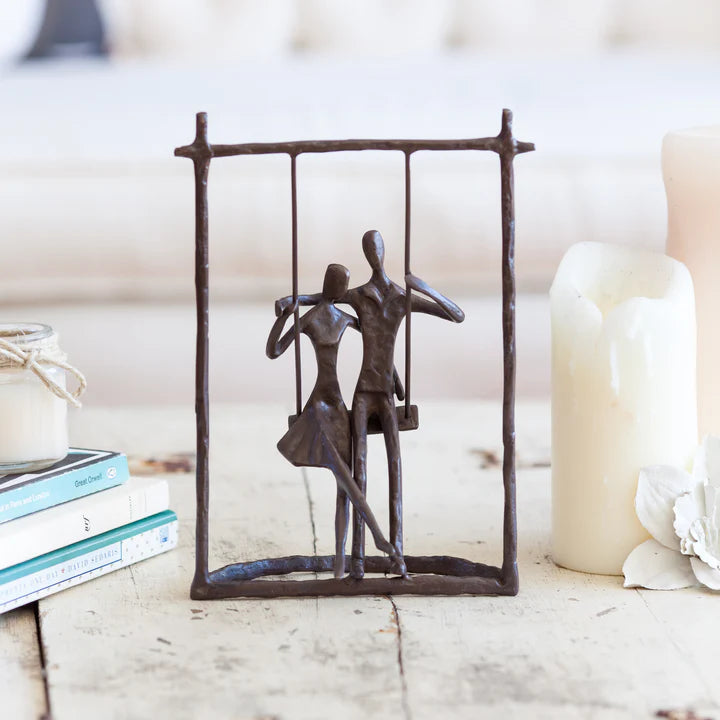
<point>35,349</point>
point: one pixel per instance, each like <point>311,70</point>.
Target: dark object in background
<point>70,28</point>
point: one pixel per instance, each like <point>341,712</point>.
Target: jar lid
<point>33,347</point>
<point>23,333</point>
<point>22,337</point>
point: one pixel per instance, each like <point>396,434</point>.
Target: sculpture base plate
<point>428,575</point>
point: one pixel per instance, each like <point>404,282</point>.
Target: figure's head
<point>335,285</point>
<point>374,249</point>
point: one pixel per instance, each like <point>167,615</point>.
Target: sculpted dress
<point>320,436</point>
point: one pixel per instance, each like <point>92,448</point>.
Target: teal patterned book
<point>87,559</point>
<point>81,473</point>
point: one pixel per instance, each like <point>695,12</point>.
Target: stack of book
<point>79,519</point>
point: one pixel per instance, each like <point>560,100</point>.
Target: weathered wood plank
<point>133,645</point>
<point>570,645</point>
<point>453,505</point>
<point>687,624</point>
<point>22,690</point>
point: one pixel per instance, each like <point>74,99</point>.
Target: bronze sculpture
<point>320,436</point>
<point>428,575</point>
<point>380,305</point>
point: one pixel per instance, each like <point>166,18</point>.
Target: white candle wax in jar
<point>691,169</point>
<point>623,394</point>
<point>33,418</point>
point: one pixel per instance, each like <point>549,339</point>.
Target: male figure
<point>380,305</point>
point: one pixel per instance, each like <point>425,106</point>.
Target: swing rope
<point>296,341</point>
<point>408,290</point>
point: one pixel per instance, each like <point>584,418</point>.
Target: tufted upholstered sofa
<point>96,213</point>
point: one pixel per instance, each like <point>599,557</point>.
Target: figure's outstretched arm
<point>277,345</point>
<point>441,306</point>
<point>353,322</point>
<point>348,299</point>
<point>283,303</point>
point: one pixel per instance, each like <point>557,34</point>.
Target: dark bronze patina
<point>320,436</point>
<point>380,305</point>
<point>372,409</point>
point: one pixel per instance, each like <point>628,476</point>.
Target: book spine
<point>48,492</point>
<point>87,566</point>
<point>81,519</point>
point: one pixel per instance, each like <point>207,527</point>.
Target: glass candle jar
<point>33,398</point>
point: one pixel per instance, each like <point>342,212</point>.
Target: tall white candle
<point>691,169</point>
<point>623,394</point>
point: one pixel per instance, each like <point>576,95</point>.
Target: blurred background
<point>96,214</point>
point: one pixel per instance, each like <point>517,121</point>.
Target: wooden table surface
<point>133,645</point>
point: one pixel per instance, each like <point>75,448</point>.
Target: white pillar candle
<point>691,168</point>
<point>623,394</point>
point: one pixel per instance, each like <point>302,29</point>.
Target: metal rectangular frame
<point>434,575</point>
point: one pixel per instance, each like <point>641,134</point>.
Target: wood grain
<point>132,645</point>
<point>137,646</point>
<point>21,680</point>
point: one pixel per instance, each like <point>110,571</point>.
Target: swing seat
<point>404,423</point>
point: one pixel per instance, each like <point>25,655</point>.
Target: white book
<point>86,517</point>
<point>88,559</point>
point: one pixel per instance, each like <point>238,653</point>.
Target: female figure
<point>321,436</point>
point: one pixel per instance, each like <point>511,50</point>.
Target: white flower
<point>682,513</point>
